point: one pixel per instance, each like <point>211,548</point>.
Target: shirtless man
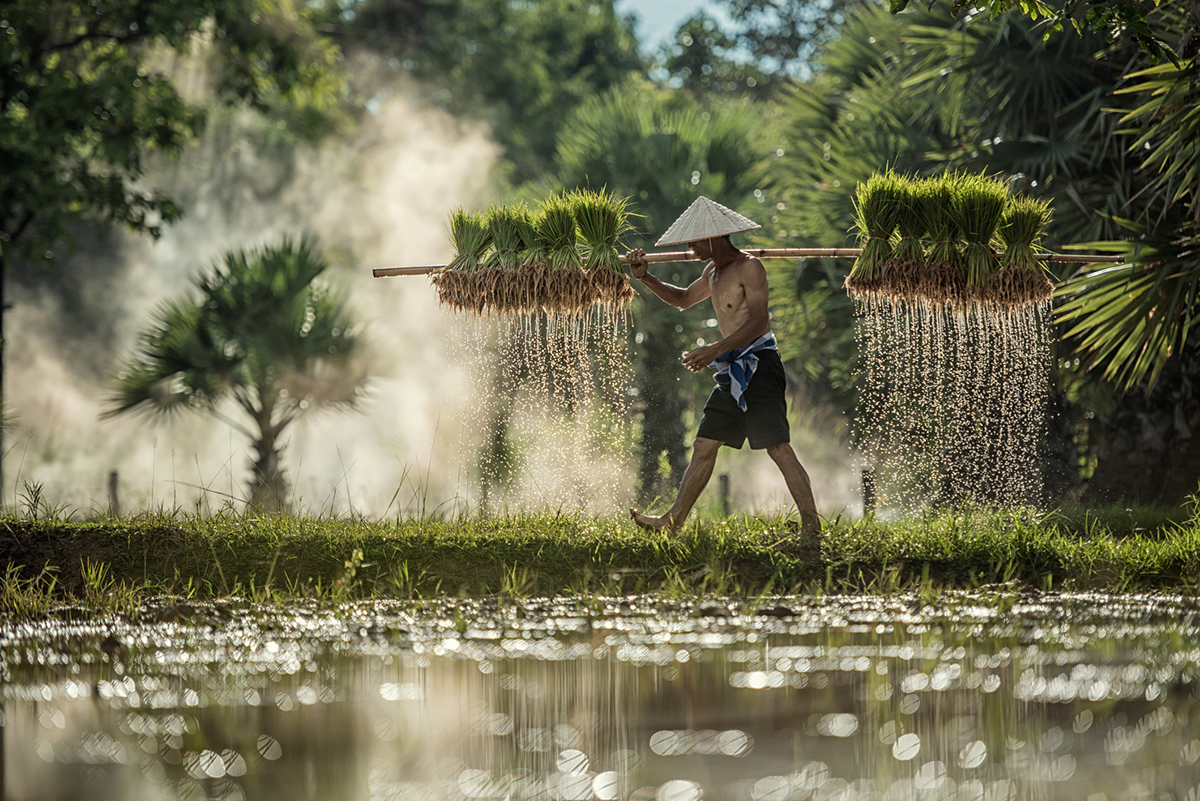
<point>737,284</point>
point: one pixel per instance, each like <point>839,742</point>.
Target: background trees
<point>521,67</point>
<point>263,330</point>
<point>86,99</point>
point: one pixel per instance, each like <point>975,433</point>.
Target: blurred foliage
<point>521,66</point>
<point>262,330</point>
<point>1133,22</point>
<point>703,58</point>
<point>91,92</point>
<point>754,47</point>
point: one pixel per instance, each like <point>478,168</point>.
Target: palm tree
<point>262,330</point>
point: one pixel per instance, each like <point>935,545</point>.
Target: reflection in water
<point>979,698</point>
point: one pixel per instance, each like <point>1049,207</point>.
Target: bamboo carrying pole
<point>763,253</point>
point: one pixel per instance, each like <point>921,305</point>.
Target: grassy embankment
<point>111,564</point>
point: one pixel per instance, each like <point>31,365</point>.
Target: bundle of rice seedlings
<point>1021,279</point>
<point>945,278</point>
<point>980,202</point>
<point>602,217</point>
<point>515,288</point>
<point>533,246</point>
<point>903,272</point>
<point>471,239</point>
<point>512,230</point>
<point>556,230</point>
<point>504,224</point>
<point>877,206</point>
<point>457,284</point>
<point>558,284</point>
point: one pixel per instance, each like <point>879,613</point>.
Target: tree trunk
<point>268,483</point>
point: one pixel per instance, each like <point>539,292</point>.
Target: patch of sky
<point>658,20</point>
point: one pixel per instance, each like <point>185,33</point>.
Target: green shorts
<point>764,422</point>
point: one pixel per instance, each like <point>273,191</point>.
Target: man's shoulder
<point>750,264</point>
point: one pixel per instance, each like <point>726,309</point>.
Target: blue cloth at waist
<point>736,367</point>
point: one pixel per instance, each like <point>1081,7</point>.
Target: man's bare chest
<point>726,289</point>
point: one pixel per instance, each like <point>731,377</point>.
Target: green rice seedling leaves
<point>980,202</point>
<point>877,209</point>
<point>602,218</point>
<point>505,225</point>
<point>533,248</point>
<point>912,221</point>
<point>1021,230</point>
<point>471,238</point>
<point>557,232</point>
<point>944,229</point>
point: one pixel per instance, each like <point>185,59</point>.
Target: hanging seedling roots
<point>957,241</point>
<point>560,260</point>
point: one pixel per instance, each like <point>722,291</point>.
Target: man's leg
<point>798,485</point>
<point>699,471</point>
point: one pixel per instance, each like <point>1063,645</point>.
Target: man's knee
<point>782,453</point>
<point>705,450</point>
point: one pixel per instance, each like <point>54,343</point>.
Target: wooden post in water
<point>868,486</point>
<point>114,502</point>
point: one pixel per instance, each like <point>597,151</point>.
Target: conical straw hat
<point>705,219</point>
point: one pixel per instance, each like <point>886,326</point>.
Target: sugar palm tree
<point>261,330</point>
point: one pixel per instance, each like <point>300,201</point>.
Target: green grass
<point>110,564</point>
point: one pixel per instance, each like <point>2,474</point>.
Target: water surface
<point>988,696</point>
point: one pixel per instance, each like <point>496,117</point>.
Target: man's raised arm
<point>670,294</point>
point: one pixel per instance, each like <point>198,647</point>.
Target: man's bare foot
<point>805,539</point>
<point>810,527</point>
<point>652,523</point>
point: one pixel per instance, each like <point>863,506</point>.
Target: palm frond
<point>175,365</point>
<point>1169,132</point>
<point>260,321</point>
<point>1131,318</point>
